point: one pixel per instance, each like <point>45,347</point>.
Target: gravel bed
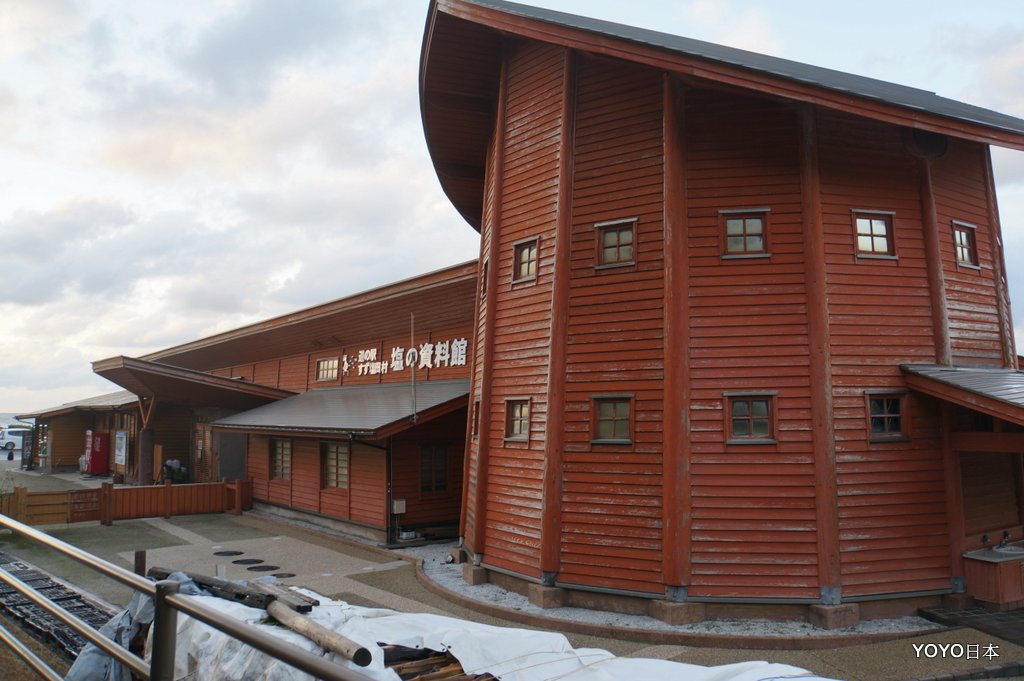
<point>449,575</point>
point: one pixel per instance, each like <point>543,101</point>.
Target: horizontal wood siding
<point>306,474</point>
<point>66,438</point>
<point>958,179</point>
<point>893,523</point>
<point>432,506</point>
<point>529,204</point>
<point>267,373</point>
<point>257,466</point>
<point>754,529</point>
<point>172,430</point>
<point>368,485</point>
<point>991,491</point>
<point>293,373</point>
<point>611,534</point>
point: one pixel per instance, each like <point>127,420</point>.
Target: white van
<point>10,438</point>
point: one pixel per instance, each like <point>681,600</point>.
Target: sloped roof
<point>105,402</point>
<point>861,86</point>
<point>368,410</point>
<point>460,66</point>
<point>996,392</point>
<point>177,385</point>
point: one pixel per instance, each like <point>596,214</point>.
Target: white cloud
<point>27,26</point>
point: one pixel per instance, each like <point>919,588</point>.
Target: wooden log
<point>296,601</point>
<point>221,588</point>
<point>323,637</point>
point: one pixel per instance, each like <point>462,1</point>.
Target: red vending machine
<point>99,454</point>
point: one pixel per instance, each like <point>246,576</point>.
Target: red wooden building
<point>351,413</point>
<point>742,328</point>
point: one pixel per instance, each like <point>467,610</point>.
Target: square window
<point>434,468</point>
<point>874,234</point>
<point>334,457</point>
<point>887,416</point>
<point>750,418</point>
<point>745,233</point>
<point>280,459</point>
<point>615,242</point>
<point>517,420</point>
<point>327,369</point>
<point>525,265</point>
<point>613,420</point>
<point>965,243</point>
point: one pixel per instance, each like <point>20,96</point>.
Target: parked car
<point>10,437</point>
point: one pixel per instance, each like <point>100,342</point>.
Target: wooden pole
<point>323,637</point>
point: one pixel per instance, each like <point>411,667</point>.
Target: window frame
<point>600,228</point>
<point>744,213</point>
<point>519,247</point>
<point>282,471</point>
<point>903,398</point>
<point>325,480</point>
<point>971,230</point>
<point>889,217</point>
<point>326,361</point>
<point>510,404</point>
<point>429,452</point>
<point>729,403</point>
<point>595,418</point>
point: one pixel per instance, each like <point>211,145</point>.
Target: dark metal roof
<point>106,402</point>
<point>360,409</point>
<point>860,86</point>
<point>997,392</point>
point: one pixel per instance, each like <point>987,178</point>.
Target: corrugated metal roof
<point>99,402</point>
<point>1005,385</point>
<point>360,409</point>
<point>861,86</point>
<point>993,391</point>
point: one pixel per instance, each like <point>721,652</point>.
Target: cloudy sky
<point>169,170</point>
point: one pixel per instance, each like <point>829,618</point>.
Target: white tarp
<point>508,654</point>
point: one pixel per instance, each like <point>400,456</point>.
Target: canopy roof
<point>461,59</point>
<point>106,402</point>
<point>176,385</point>
<point>369,411</point>
<point>996,392</point>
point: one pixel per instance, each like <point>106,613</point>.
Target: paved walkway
<point>364,575</point>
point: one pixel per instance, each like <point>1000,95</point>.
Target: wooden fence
<point>109,503</point>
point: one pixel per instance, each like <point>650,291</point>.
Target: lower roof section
<point>369,411</point>
<point>176,385</point>
<point>106,402</point>
<point>996,392</point>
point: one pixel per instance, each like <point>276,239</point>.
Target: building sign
<point>120,447</point>
<point>429,355</point>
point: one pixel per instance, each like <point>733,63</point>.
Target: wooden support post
<point>933,261</point>
<point>676,499</point>
<point>107,504</point>
<point>554,431</point>
<point>826,498</point>
<point>167,498</point>
<point>20,510</point>
<point>237,507</point>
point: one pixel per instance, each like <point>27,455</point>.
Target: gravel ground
<point>449,575</point>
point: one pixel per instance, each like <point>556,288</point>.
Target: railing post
<point>165,632</point>
<point>20,510</point>
<point>107,504</point>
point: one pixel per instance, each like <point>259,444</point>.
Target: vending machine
<point>97,453</point>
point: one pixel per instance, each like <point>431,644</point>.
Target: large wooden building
<point>742,326</point>
<point>351,413</point>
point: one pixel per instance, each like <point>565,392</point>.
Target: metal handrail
<point>168,603</point>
